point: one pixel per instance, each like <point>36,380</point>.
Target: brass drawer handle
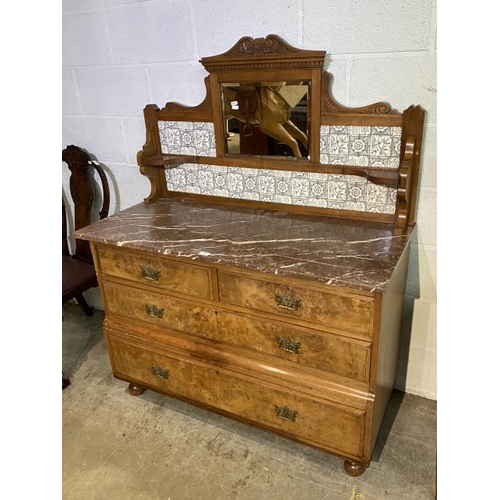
<point>287,302</point>
<point>154,311</point>
<point>285,413</point>
<point>160,372</point>
<point>150,273</point>
<point>288,344</point>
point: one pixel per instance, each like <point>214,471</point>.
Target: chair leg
<point>84,305</point>
<point>65,381</point>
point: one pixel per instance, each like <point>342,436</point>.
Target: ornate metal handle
<point>150,273</point>
<point>285,413</point>
<point>160,372</point>
<point>288,344</point>
<point>287,302</point>
<point>154,311</point>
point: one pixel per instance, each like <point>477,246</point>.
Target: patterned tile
<point>187,138</point>
<point>343,192</point>
<point>339,145</point>
<point>360,146</point>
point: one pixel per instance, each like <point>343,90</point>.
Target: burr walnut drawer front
<point>335,427</point>
<point>309,348</point>
<point>165,274</point>
<point>159,309</point>
<point>332,309</point>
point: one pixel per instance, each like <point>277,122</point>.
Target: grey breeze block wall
<point>120,55</point>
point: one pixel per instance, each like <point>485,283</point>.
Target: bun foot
<point>354,468</point>
<point>65,381</point>
<point>135,390</point>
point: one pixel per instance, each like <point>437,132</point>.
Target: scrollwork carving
<point>272,44</point>
<point>330,105</point>
<point>201,111</point>
<point>252,53</point>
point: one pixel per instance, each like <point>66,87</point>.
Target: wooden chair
<point>78,273</point>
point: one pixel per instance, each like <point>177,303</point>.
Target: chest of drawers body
<point>264,317</point>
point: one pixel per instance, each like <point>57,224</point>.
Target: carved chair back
<point>83,195</point>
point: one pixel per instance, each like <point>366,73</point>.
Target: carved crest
<point>261,53</point>
<point>272,44</point>
<point>76,158</point>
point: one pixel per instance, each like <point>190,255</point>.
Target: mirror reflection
<point>267,118</point>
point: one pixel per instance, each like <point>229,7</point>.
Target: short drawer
<point>334,427</point>
<point>323,351</point>
<point>348,312</point>
<point>165,274</point>
<point>159,309</point>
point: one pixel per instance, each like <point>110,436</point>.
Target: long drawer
<point>180,277</point>
<point>347,312</point>
<point>309,348</point>
<point>333,427</point>
<point>332,353</point>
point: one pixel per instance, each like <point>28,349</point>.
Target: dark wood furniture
<point>269,289</point>
<point>78,272</point>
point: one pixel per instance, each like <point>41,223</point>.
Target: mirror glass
<point>266,118</point>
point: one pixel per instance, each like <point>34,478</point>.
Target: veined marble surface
<point>340,252</point>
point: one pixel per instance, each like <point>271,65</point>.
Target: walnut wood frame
<point>272,59</point>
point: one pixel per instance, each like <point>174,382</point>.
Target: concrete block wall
<point>119,55</point>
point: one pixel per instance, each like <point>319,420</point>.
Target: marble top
<point>338,252</point>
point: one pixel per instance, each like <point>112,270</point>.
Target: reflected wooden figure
<point>265,106</point>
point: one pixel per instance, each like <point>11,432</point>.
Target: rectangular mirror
<point>267,118</point>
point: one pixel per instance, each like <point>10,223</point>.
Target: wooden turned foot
<point>354,468</point>
<point>65,381</point>
<point>135,390</point>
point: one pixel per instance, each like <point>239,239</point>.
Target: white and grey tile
<point>187,138</point>
<point>360,146</point>
<point>339,191</point>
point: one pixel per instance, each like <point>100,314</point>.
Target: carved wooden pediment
<point>264,53</point>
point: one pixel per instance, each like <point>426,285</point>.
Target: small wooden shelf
<point>377,175</point>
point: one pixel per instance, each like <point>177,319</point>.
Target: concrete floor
<point>153,447</point>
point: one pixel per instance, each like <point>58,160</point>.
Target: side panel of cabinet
<point>386,343</point>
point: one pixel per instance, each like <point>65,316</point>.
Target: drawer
<point>166,274</point>
<point>334,427</point>
<point>159,309</point>
<point>324,351</point>
<point>348,312</point>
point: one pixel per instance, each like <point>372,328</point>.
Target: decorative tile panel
<point>339,191</point>
<point>187,138</point>
<point>360,146</point>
